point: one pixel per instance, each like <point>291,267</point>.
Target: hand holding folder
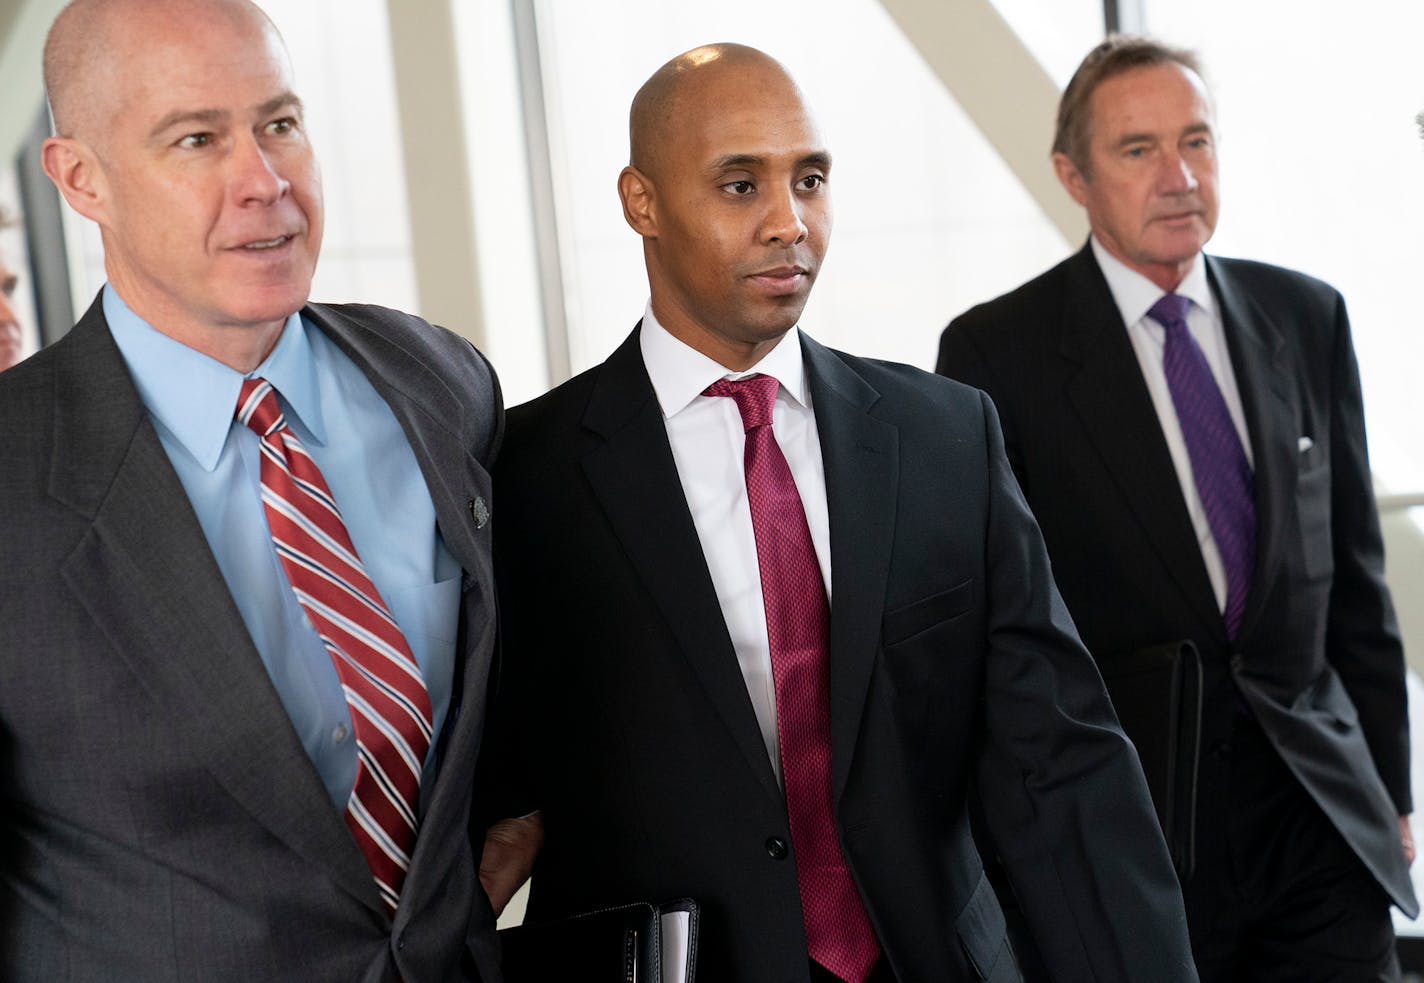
<point>635,943</point>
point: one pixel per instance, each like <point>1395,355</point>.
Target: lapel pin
<point>479,511</point>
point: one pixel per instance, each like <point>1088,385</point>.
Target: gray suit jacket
<point>159,819</point>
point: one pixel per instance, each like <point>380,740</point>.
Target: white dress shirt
<point>707,441</point>
<point>1135,295</point>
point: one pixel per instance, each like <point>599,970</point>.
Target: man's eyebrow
<point>727,162</point>
<point>284,101</point>
<point>1128,138</point>
<point>214,117</point>
<point>203,117</point>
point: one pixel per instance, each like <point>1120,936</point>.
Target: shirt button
<point>339,733</point>
<point>776,848</point>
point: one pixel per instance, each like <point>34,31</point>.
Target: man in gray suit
<point>218,636</point>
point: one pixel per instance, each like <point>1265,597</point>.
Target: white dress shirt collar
<point>1134,294</point>
<point>194,395</point>
<point>680,372</point>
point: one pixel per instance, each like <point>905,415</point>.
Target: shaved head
<point>181,135</point>
<point>91,41</point>
<point>727,187</point>
<point>679,95</point>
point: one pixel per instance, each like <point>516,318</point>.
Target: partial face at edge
<point>9,319</point>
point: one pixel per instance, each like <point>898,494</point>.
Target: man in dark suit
<point>1189,434</point>
<point>213,639</point>
<point>758,649</point>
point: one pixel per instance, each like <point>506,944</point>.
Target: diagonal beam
<point>1001,85</point>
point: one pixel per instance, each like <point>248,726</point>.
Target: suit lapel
<point>148,578</point>
<point>634,479</point>
<point>1259,360</point>
<point>426,410</point>
<point>1119,421</point>
<point>862,461</point>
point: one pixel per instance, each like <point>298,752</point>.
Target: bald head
<point>727,187</point>
<point>682,93</point>
<point>181,135</point>
<point>92,44</point>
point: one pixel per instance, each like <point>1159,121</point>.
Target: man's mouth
<point>267,243</point>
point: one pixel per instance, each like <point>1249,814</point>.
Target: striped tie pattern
<point>389,704</point>
<point>839,935</point>
<point>1219,465</point>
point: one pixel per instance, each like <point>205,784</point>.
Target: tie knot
<point>258,409</point>
<point>754,394</point>
<point>1170,311</point>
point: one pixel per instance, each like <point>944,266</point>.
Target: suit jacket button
<point>777,848</point>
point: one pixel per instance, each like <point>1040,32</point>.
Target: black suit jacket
<point>952,663</point>
<point>159,818</point>
<point>1318,658</point>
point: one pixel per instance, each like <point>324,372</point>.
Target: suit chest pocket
<point>913,619</point>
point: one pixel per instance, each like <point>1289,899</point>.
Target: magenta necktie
<point>838,931</point>
<point>390,706</point>
<point>1219,465</point>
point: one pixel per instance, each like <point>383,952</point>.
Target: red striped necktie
<point>839,935</point>
<point>389,704</point>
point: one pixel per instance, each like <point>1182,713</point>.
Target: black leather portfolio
<point>635,943</point>
<point>1157,693</point>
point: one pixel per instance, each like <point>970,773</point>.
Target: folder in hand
<point>634,943</point>
<point>1157,693</point>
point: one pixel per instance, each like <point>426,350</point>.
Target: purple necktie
<point>838,931</point>
<point>1219,465</point>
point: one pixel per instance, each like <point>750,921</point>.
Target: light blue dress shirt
<point>363,453</point>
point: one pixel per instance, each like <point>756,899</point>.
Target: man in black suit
<point>1189,434</point>
<point>810,794</point>
<point>184,766</point>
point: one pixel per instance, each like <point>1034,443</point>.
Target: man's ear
<point>1072,179</point>
<point>76,172</point>
<point>639,206</point>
